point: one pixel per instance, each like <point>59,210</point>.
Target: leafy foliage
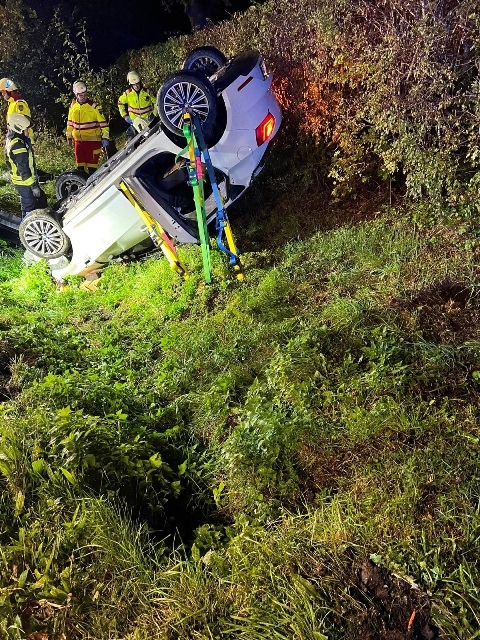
<point>391,88</point>
<point>290,454</point>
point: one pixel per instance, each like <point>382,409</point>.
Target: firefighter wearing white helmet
<point>87,130</point>
<point>136,102</point>
<point>79,87</point>
<point>18,122</point>
<point>16,104</point>
<point>133,77</point>
<point>20,161</point>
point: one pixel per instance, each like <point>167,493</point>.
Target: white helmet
<point>18,122</point>
<point>7,85</point>
<point>79,87</point>
<point>133,77</point>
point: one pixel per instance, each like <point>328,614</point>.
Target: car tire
<point>69,182</point>
<point>42,235</point>
<point>208,60</point>
<point>187,91</point>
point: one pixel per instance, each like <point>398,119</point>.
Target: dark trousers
<point>28,202</point>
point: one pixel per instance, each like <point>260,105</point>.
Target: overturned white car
<point>94,223</point>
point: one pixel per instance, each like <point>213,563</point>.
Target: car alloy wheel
<point>187,92</point>
<point>69,182</point>
<point>43,236</point>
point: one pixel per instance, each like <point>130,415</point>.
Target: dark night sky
<point>115,26</point>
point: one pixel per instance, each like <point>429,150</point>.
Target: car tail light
<point>265,129</point>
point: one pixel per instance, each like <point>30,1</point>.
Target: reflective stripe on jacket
<point>86,122</point>
<point>137,103</point>
<point>19,159</point>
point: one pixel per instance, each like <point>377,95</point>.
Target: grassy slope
<point>312,432</point>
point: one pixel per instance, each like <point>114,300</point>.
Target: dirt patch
<point>5,359</point>
<point>377,604</point>
<point>392,607</point>
<point>447,313</point>
<point>3,387</point>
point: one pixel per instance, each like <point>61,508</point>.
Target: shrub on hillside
<point>408,80</point>
<point>391,88</point>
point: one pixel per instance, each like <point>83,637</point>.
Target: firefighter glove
<point>104,142</point>
<point>36,191</point>
<point>128,120</point>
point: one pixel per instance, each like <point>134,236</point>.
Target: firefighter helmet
<point>7,85</point>
<point>79,87</point>
<point>133,77</point>
<point>18,122</point>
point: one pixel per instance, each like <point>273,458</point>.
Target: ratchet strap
<point>222,223</point>
<point>192,131</point>
<point>159,236</point>
<point>195,179</point>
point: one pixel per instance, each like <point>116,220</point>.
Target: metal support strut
<point>192,131</point>
<point>156,232</point>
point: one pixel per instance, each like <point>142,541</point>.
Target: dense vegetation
<point>294,456</point>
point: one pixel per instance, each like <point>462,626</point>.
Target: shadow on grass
<point>291,200</point>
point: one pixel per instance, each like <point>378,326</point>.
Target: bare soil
<point>447,312</point>
<point>5,374</point>
<point>392,607</point>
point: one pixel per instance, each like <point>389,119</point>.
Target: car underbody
<point>94,223</point>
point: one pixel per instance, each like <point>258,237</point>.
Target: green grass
<point>246,459</point>
<point>291,427</point>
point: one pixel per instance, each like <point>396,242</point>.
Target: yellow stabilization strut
<point>156,232</point>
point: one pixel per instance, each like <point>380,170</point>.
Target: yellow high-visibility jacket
<point>86,122</point>
<point>16,104</point>
<point>19,159</point>
<point>137,103</point>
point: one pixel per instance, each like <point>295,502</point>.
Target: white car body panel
<point>102,224</point>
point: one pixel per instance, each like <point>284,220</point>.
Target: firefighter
<point>16,104</point>
<point>87,130</point>
<point>21,164</point>
<point>136,101</point>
